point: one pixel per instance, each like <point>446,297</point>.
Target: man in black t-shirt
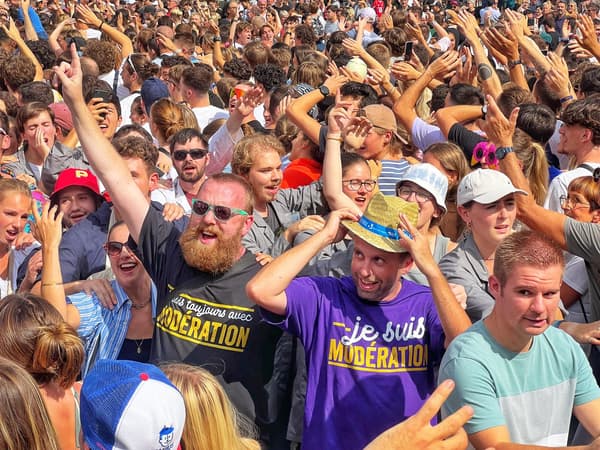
<point>203,314</point>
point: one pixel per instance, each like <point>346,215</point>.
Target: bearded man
<point>203,314</point>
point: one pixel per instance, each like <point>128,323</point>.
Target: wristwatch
<point>501,152</point>
<point>484,109</point>
<point>216,38</point>
<point>324,90</point>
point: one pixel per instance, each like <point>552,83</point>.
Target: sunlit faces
<point>14,212</point>
<point>212,245</point>
<point>126,266</point>
<point>526,304</point>
<point>572,138</point>
<point>491,222</point>
<point>375,144</point>
<point>146,182</point>
<point>265,175</point>
<point>377,273</point>
<point>76,203</point>
<point>577,207</point>
<point>431,159</point>
<point>190,170</point>
<point>359,171</point>
<point>42,123</point>
<point>244,37</point>
<point>110,121</point>
<point>428,210</point>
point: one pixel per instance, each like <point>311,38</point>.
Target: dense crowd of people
<point>299,224</point>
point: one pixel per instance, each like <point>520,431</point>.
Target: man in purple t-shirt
<point>372,339</point>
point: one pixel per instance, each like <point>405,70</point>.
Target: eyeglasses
<point>114,248</point>
<point>355,184</point>
<point>568,202</point>
<point>404,192</point>
<point>222,213</point>
<point>195,153</point>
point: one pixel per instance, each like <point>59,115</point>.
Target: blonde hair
<point>211,422</point>
<point>535,164</point>
<point>245,151</point>
<point>12,185</point>
<point>35,336</point>
<point>309,73</point>
<point>24,420</point>
<point>452,159</point>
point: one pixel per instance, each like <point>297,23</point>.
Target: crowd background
<point>312,107</point>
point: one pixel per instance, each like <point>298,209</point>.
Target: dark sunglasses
<point>195,153</point>
<point>114,248</point>
<point>222,213</point>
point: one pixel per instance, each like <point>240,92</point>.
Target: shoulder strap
<point>586,166</point>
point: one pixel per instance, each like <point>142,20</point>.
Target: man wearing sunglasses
<point>203,314</point>
<point>190,157</point>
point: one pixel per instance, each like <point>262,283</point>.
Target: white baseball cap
<point>485,186</point>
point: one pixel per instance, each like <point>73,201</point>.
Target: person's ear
<point>153,181</point>
<point>596,216</point>
<point>464,214</point>
<point>494,286</point>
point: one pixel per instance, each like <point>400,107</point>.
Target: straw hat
<point>378,226</point>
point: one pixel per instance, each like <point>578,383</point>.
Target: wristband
<point>566,99</point>
<point>100,27</point>
<point>514,63</point>
<point>51,284</point>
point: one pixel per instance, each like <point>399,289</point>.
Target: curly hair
<point>44,54</point>
<point>585,113</point>
<point>137,147</point>
<point>269,75</point>
<point>237,68</point>
<point>104,53</point>
<point>17,70</point>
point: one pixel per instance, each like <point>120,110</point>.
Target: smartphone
<point>408,51</point>
<point>105,95</point>
<point>531,22</point>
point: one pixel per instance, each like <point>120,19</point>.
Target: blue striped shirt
<point>392,171</point>
<point>103,330</point>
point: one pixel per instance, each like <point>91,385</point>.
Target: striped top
<point>392,171</point>
<point>103,330</point>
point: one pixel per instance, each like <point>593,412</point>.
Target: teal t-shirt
<point>531,393</point>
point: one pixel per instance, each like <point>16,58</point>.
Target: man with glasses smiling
<point>203,314</point>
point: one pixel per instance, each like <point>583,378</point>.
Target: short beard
<point>214,259</point>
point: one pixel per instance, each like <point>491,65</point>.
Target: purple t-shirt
<point>370,365</point>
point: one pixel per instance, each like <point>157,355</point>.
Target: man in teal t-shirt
<point>523,377</point>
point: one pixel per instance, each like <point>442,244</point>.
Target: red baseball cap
<point>76,177</point>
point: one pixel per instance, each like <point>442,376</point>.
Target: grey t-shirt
<point>583,239</point>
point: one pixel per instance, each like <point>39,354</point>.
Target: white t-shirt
<point>206,114</point>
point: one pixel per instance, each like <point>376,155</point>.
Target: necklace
<point>139,344</point>
<point>139,305</point>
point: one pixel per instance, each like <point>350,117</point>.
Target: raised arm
<point>13,33</point>
<point>299,108</point>
<point>339,118</point>
<point>30,32</point>
<point>104,159</point>
<point>500,131</point>
<point>446,117</point>
<point>404,108</point>
<point>88,16</point>
<point>267,288</point>
<point>452,316</point>
<point>53,38</point>
<point>518,23</point>
<point>468,26</point>
<point>48,230</point>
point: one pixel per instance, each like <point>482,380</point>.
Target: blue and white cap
<point>126,405</point>
<point>429,178</point>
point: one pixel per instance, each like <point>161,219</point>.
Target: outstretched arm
<point>48,230</point>
<point>106,162</point>
<point>452,316</point>
<point>499,131</point>
<point>267,288</point>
